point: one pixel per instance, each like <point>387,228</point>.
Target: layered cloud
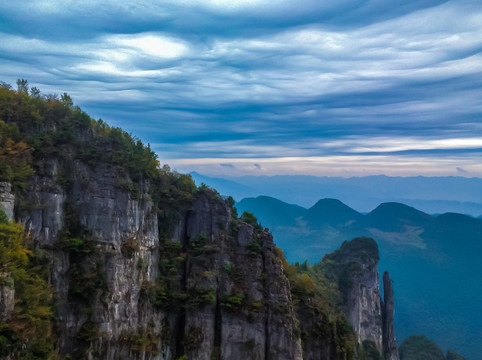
<point>254,81</point>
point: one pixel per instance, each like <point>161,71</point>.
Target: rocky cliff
<point>354,267</point>
<point>232,297</point>
<point>144,265</point>
<point>390,350</point>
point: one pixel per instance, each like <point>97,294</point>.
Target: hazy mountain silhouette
<point>433,195</point>
<point>393,216</point>
<point>276,212</point>
<point>332,212</point>
<point>434,260</point>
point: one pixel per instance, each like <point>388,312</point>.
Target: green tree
<point>34,92</point>
<point>27,334</point>
<point>252,220</point>
<point>4,85</point>
<point>66,100</point>
<point>15,156</point>
<point>22,86</point>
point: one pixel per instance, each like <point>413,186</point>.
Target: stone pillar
<point>390,349</point>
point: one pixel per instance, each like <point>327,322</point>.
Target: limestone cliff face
<point>357,276</point>
<point>114,220</point>
<point>229,298</point>
<point>250,314</point>
<point>355,268</point>
<point>388,309</point>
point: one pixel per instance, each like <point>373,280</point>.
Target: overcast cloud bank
<point>268,87</point>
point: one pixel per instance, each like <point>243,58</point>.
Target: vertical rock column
<point>355,269</point>
<point>390,349</point>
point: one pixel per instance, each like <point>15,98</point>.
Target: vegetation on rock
<point>419,347</point>
<point>35,128</point>
<point>27,332</point>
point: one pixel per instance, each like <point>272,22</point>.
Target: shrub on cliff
<point>15,156</point>
<point>27,332</point>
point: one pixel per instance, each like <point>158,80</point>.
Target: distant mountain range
<point>433,195</point>
<point>434,260</point>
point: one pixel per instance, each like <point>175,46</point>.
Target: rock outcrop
<point>227,297</point>
<point>97,288</point>
<point>390,350</point>
<point>232,297</point>
<point>355,269</point>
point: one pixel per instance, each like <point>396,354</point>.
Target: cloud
<point>152,45</point>
<point>261,79</point>
<point>340,165</point>
<point>460,170</point>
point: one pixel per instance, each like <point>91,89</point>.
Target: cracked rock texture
<point>390,348</point>
<point>237,301</point>
<point>246,308</point>
<point>356,273</point>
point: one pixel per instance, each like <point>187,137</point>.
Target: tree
<point>15,156</point>
<point>66,100</point>
<point>22,86</point>
<point>4,85</point>
<point>27,333</point>
<point>252,220</point>
<point>13,254</point>
<point>3,216</point>
<point>34,92</point>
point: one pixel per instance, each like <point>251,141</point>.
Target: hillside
<point>331,212</point>
<point>278,212</point>
<point>396,217</point>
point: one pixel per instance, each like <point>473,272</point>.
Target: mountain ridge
<point>361,193</point>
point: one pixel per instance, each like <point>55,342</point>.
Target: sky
<point>263,87</point>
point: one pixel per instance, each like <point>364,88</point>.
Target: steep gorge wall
<point>93,206</point>
<point>354,267</point>
<point>237,301</point>
<point>252,315</point>
<point>390,348</point>
<point>233,297</point>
